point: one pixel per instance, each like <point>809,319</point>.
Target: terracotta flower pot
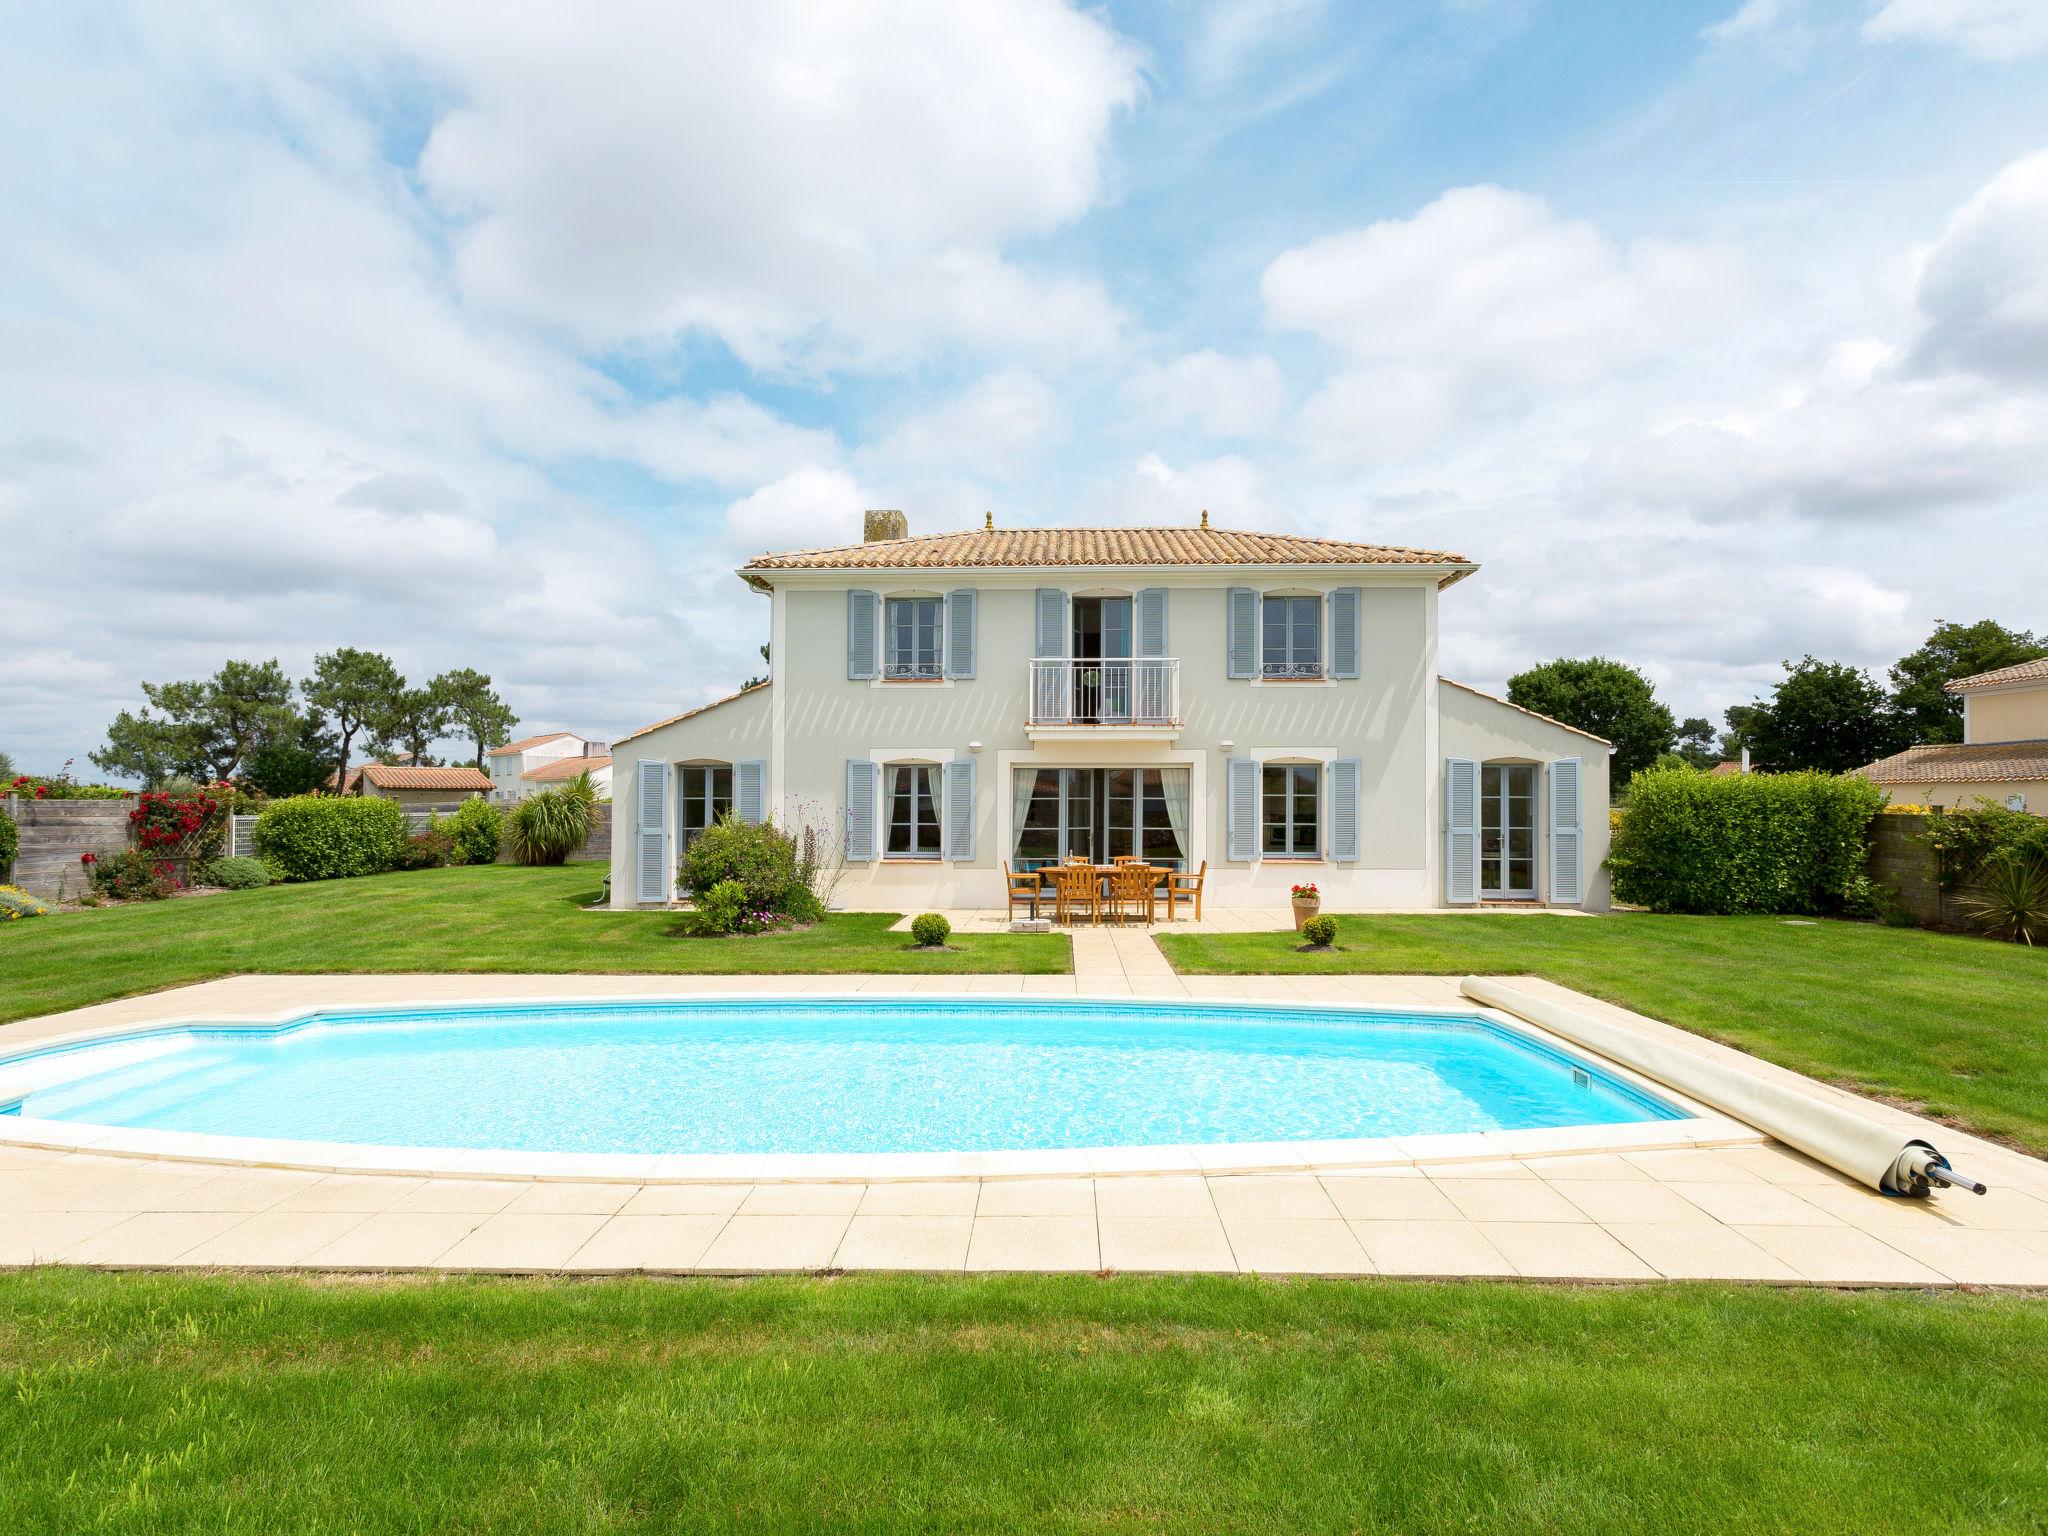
<point>1305,908</point>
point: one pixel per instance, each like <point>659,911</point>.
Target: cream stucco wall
<point>736,731</point>
<point>2033,794</point>
<point>2006,714</point>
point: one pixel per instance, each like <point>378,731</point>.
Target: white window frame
<point>885,649</point>
<point>1321,677</point>
<point>1322,780</point>
<point>887,820</point>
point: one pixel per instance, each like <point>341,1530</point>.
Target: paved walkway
<point>1751,1212</point>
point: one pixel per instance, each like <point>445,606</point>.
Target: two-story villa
<point>523,768</point>
<point>2003,756</point>
<point>1264,705</point>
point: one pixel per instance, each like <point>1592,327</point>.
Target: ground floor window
<point>1100,814</point>
<point>1288,815</point>
<point>913,811</point>
<point>707,795</point>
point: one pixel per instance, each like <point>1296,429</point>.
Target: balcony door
<point>1101,644</point>
<point>1507,831</point>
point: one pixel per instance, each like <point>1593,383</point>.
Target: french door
<point>1101,814</point>
<point>1507,830</point>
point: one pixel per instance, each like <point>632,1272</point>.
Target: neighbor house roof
<point>398,776</point>
<point>689,714</point>
<point>1011,548</point>
<point>2035,671</point>
<point>1996,762</point>
<point>562,769</point>
<point>1533,714</point>
<point>511,747</point>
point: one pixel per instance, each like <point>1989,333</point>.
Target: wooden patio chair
<point>1077,891</point>
<point>1127,858</point>
<point>1181,886</point>
<point>1134,889</point>
<point>1022,886</point>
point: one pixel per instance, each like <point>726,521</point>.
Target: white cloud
<point>1984,284</point>
<point>2001,30</point>
<point>808,508</point>
<point>989,428</point>
<point>1221,395</point>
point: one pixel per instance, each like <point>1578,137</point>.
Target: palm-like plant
<point>2012,896</point>
<point>553,824</point>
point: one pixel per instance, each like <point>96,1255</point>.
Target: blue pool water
<point>839,1076</point>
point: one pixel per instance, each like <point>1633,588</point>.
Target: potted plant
<point>1308,901</point>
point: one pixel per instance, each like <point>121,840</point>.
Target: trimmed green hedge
<point>1748,842</point>
<point>322,837</point>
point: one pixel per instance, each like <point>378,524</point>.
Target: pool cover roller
<point>1878,1155</point>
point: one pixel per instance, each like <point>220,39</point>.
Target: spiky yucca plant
<point>553,824</point>
<point>2012,896</point>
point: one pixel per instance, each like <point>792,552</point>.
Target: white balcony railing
<point>1127,690</point>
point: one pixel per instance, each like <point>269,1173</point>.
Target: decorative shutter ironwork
<point>960,633</point>
<point>1052,622</point>
<point>1344,635</point>
<point>1461,832</point>
<point>960,810</point>
<point>863,611</point>
<point>1243,633</point>
<point>860,810</point>
<point>654,880</point>
<point>1344,774</point>
<point>1243,808</point>
<point>1152,621</point>
<point>1565,833</point>
<point>749,790</point>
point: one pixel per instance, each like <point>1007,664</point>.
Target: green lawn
<point>496,918</point>
<point>154,1403</point>
<point>1956,1027</point>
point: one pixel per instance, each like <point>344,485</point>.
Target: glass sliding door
<point>1100,814</point>
<point>1507,830</point>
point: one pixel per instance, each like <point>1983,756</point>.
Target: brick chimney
<point>882,525</point>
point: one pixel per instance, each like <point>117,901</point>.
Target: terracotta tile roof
<point>563,769</point>
<point>688,714</point>
<point>2035,671</point>
<point>1010,548</point>
<point>1994,762</point>
<point>1518,709</point>
<point>398,776</point>
<point>511,747</point>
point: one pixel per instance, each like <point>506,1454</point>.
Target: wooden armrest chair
<point>1126,858</point>
<point>1181,886</point>
<point>1022,886</point>
<point>1134,889</point>
<point>1078,891</point>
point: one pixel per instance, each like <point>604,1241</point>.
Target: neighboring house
<point>522,768</point>
<point>1264,704</point>
<point>2003,756</point>
<point>416,788</point>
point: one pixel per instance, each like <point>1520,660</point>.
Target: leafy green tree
<point>1824,715</point>
<point>1608,698</point>
<point>206,729</point>
<point>1925,710</point>
<point>354,689</point>
<point>411,722</point>
<point>1696,742</point>
<point>484,717</point>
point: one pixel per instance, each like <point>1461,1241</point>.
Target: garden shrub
<point>1320,931</point>
<point>930,930</point>
<point>426,850</point>
<point>2011,896</point>
<point>182,822</point>
<point>236,874</point>
<point>553,824</point>
<point>60,786</point>
<point>130,875</point>
<point>1969,837</point>
<point>721,907</point>
<point>476,832</point>
<point>763,859</point>
<point>1747,842</point>
<point>15,904</point>
<point>327,837</point>
<point>10,842</point>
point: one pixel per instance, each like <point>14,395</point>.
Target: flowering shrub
<point>1894,809</point>
<point>192,826</point>
<point>763,860</point>
<point>426,850</point>
<point>130,875</point>
<point>60,786</point>
<point>15,904</point>
<point>1306,892</point>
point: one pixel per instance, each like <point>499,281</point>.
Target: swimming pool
<point>851,1076</point>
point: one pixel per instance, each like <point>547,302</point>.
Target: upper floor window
<point>911,638</point>
<point>1292,643</point>
<point>913,811</point>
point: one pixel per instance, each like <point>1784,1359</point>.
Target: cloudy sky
<point>497,335</point>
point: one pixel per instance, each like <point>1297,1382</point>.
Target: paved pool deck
<point>1743,1209</point>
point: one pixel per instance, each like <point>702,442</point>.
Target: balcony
<point>1094,697</point>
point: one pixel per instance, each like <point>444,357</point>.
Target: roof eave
<point>1446,571</point>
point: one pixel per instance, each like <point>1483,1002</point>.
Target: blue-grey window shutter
<point>860,810</point>
<point>862,609</point>
<point>1461,832</point>
<point>1565,878</point>
<point>1243,633</point>
<point>960,633</point>
<point>1344,641</point>
<point>1152,621</point>
<point>749,790</point>
<point>654,880</point>
<point>1344,810</point>
<point>1243,809</point>
<point>1052,622</point>
<point>960,810</point>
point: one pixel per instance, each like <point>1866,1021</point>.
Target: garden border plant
<point>325,837</point>
<point>751,876</point>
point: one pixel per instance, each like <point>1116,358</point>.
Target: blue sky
<point>1717,333</point>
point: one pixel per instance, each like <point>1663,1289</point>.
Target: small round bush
<point>930,930</point>
<point>478,831</point>
<point>1320,931</point>
<point>236,874</point>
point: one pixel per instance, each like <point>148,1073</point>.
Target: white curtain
<point>1021,780</point>
<point>1173,786</point>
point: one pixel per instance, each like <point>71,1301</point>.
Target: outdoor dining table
<point>1102,873</point>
